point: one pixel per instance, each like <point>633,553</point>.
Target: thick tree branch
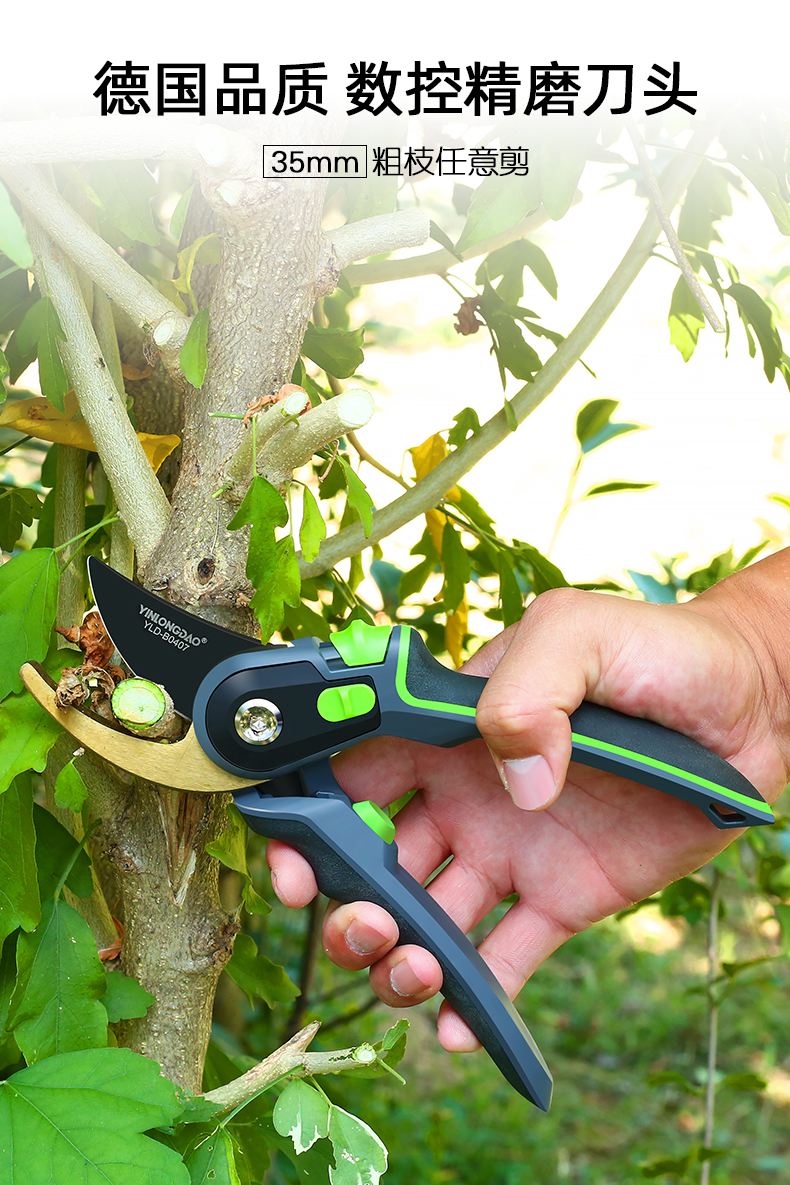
<point>267,423</point>
<point>141,500</point>
<point>428,492</point>
<point>290,1059</point>
<point>296,443</point>
<point>374,236</point>
<point>146,306</point>
<point>437,263</point>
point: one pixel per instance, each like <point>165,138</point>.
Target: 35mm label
<point>327,161</point>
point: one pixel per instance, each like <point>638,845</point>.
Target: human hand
<point>575,857</point>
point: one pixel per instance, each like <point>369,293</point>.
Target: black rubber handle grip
<point>637,749</point>
<point>352,863</point>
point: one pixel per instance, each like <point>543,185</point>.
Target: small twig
<point>713,1020</point>
<point>290,1060</point>
<point>663,217</point>
<point>364,455</point>
<point>309,954</point>
<point>350,1017</point>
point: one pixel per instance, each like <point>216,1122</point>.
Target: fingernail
<point>364,939</point>
<point>403,980</point>
<point>274,881</point>
<point>529,781</point>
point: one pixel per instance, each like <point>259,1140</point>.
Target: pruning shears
<point>266,720</point>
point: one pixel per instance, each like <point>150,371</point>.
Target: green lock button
<point>346,702</point>
<point>377,819</point>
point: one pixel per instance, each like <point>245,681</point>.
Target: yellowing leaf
<point>426,456</point>
<point>455,630</point>
<point>40,418</point>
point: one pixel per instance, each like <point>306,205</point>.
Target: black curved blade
<point>158,641</point>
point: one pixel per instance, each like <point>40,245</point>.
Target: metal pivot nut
<point>258,721</point>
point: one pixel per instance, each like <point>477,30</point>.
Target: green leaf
<point>206,249</point>
<point>230,848</point>
<point>41,330</point>
<point>509,263</point>
<point>360,1156</point>
<point>609,432</point>
<point>194,352</point>
<point>394,1034</point>
<point>412,581</point>
<point>770,188</point>
<point>512,351</point>
<point>745,1081</point>
<point>125,189</point>
<point>4,371</point>
<point>57,1003</point>
<point>438,236</point>
<point>510,598</point>
<point>18,508</point>
<point>686,898</point>
<point>27,733</point>
<point>783,917</point>
<point>125,998</point>
<point>757,314</point>
<point>213,1161</point>
<point>593,418</point>
<point>562,161</point>
<point>258,976</point>
<point>466,423</point>
<point>283,588</point>
<point>337,351</point>
<point>55,848</point>
<point>304,622</point>
<point>733,970</point>
<point>545,575</point>
<point>497,204</point>
<point>656,591</point>
<point>313,530</point>
<point>659,1168</point>
<point>685,319</point>
<point>28,603</point>
<point>178,216</point>
<point>302,1113</point>
<point>614,487</point>
<point>86,1114</point>
<point>358,496</point>
<point>263,509</point>
<point>70,790</point>
<point>510,415</point>
<point>455,562</point>
<point>13,240</point>
<point>19,899</point>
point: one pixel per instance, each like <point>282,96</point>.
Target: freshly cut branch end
<point>143,707</point>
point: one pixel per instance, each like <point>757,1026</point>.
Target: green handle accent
<point>360,645</point>
<point>346,702</point>
<point>377,819</point>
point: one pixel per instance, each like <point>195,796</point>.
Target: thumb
<point>556,655</point>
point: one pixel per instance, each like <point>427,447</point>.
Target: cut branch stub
<point>144,707</point>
